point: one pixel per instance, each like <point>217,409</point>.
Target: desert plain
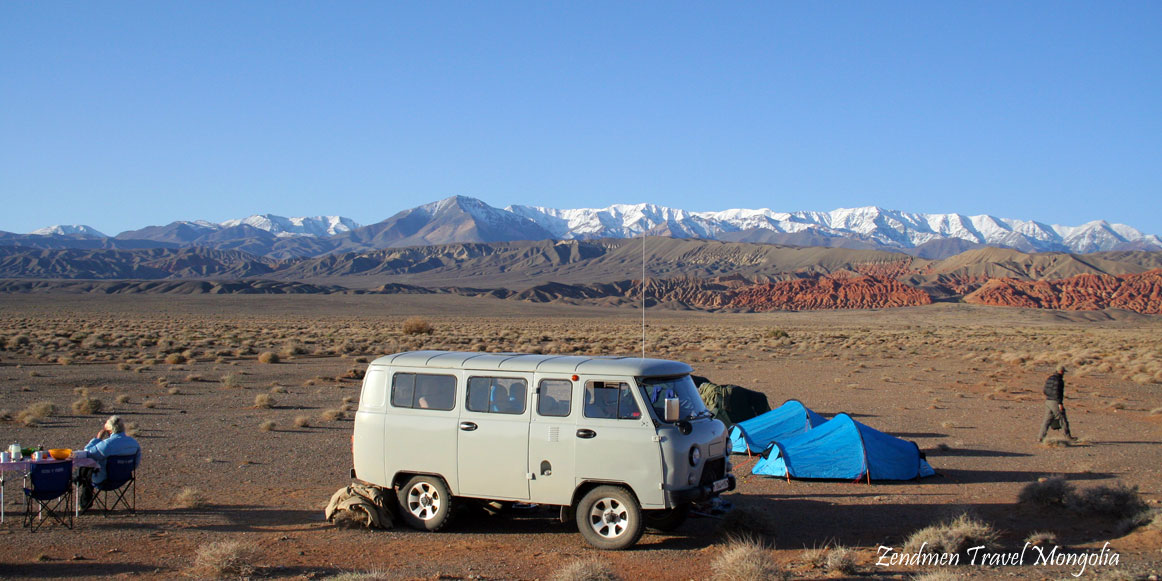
<point>243,407</point>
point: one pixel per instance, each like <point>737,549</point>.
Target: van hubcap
<point>609,518</point>
<point>423,501</point>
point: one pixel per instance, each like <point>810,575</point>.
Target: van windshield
<point>655,390</point>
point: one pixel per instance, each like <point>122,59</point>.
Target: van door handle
<point>583,433</point>
<point>468,426</point>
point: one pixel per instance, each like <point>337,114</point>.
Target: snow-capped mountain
<point>320,226</point>
<point>888,228</point>
<point>466,219</point>
<point>68,230</point>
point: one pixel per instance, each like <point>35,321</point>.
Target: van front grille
<point>714,470</point>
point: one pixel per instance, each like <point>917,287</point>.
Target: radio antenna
<point>643,294</point>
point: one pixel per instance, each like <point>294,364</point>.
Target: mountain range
<point>461,219</point>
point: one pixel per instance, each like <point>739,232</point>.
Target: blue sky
<point>125,114</point>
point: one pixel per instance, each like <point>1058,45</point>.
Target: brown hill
<point>1141,293</point>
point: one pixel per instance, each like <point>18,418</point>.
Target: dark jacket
<point>1055,388</point>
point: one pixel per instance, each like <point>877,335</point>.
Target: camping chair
<point>120,481</point>
<point>50,481</point>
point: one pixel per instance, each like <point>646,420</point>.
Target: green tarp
<point>731,403</point>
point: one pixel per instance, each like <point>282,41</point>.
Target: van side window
<point>502,395</point>
<point>423,391</point>
<point>610,400</point>
<point>556,398</point>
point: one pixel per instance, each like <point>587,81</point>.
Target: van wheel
<point>667,520</point>
<point>610,518</point>
<point>425,503</point>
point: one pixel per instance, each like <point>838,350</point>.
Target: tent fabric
<point>732,403</point>
<point>790,419</point>
<point>843,448</point>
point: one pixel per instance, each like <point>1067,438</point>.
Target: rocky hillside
<point>680,273</point>
<point>1140,293</point>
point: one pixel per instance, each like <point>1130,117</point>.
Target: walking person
<point>1055,404</point>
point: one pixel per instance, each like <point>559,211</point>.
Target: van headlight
<point>695,455</point>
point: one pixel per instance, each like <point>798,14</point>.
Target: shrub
<point>592,569</point>
<point>224,559</point>
<point>841,559</point>
<point>417,326</point>
<point>1041,538</point>
<point>174,391</point>
<point>1146,518</point>
<point>175,359</point>
<point>1117,501</point>
<point>745,559</point>
<point>268,357</point>
<point>267,426</point>
<point>88,405</point>
<point>231,380</point>
<point>954,536</point>
<point>190,497</point>
<point>302,421</point>
<point>1052,491</point>
<point>36,413</point>
<point>359,576</point>
<point>264,400</point>
<point>131,429</point>
<point>331,415</point>
<point>122,399</point>
<point>149,403</point>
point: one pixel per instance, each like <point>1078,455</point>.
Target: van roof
<point>602,365</point>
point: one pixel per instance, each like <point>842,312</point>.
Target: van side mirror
<point>671,409</point>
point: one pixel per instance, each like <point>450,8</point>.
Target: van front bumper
<point>700,493</point>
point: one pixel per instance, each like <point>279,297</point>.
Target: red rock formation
<point>829,292</point>
<point>1087,292</point>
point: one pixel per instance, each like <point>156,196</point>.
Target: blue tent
<point>789,419</point>
<point>843,448</point>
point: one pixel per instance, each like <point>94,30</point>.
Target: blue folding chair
<point>51,491</point>
<point>120,481</point>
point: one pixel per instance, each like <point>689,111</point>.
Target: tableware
<point>14,452</point>
<point>78,454</point>
<point>60,453</point>
<point>5,456</point>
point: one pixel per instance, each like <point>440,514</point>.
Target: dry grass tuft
<point>1117,501</point>
<point>122,399</point>
<point>417,326</point>
<point>1051,491</point>
<point>36,413</point>
<point>190,498</point>
<point>132,429</point>
<point>359,576</point>
<point>268,357</point>
<point>841,559</point>
<point>1041,538</point>
<point>88,405</point>
<point>224,559</point>
<point>149,403</point>
<point>745,559</point>
<point>302,421</point>
<point>331,415</point>
<point>267,426</point>
<point>264,401</point>
<point>591,569</point>
<point>953,536</point>
<point>175,359</point>
<point>231,380</point>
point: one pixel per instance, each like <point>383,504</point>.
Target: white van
<point>619,443</point>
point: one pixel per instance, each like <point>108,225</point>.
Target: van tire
<point>610,518</point>
<point>667,520</point>
<point>425,503</point>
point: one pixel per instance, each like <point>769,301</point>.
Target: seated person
<point>110,441</point>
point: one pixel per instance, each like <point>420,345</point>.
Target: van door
<point>551,442</point>
<point>616,439</point>
<point>493,438</point>
<point>420,433</point>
